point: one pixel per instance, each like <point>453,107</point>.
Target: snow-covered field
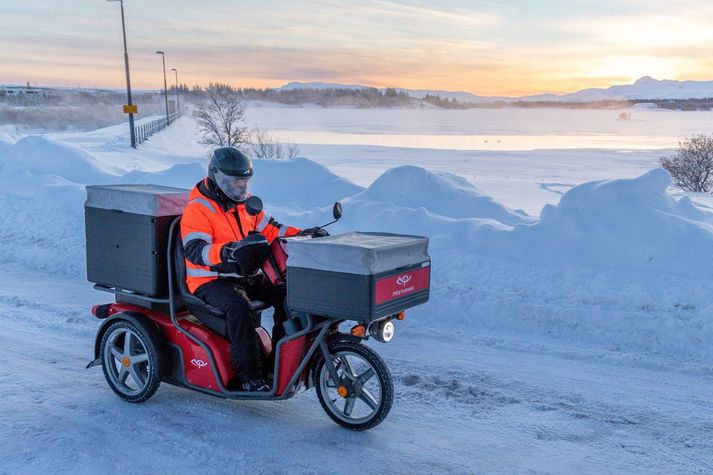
<point>569,327</point>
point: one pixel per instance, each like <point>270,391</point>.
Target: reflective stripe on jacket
<point>207,225</point>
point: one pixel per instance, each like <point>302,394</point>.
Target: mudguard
<point>133,317</point>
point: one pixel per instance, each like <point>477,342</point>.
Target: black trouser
<point>233,297</point>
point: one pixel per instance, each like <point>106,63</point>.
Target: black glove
<point>314,232</point>
<point>248,254</point>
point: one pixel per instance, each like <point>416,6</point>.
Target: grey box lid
<point>357,252</point>
<point>151,200</point>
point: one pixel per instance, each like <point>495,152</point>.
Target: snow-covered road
<point>463,404</point>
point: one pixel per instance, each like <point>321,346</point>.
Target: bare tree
<point>221,118</point>
<point>265,145</point>
<point>691,166</point>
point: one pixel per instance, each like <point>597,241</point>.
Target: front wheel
<point>363,396</point>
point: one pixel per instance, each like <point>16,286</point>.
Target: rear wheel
<point>131,361</point>
<point>363,396</point>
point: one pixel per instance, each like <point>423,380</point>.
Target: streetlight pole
<point>165,87</point>
<point>128,77</point>
<point>176,71</point>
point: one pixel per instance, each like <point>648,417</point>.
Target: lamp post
<point>176,71</point>
<point>132,132</point>
<point>165,87</point>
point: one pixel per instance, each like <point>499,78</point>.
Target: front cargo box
<point>127,235</point>
<point>358,276</point>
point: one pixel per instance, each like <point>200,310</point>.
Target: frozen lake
<point>510,129</point>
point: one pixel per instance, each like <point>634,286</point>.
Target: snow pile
<point>38,155</point>
<point>441,193</point>
<point>299,183</point>
<point>42,203</point>
<point>583,271</point>
<point>183,175</point>
<point>296,183</point>
<point>625,224</point>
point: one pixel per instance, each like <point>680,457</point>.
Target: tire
<point>132,369</point>
<point>372,407</point>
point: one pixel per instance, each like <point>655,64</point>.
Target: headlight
<point>383,330</point>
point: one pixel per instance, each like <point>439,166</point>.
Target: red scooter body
<point>195,362</point>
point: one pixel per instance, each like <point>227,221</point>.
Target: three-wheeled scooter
<point>177,338</point>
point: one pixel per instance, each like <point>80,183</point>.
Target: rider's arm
<point>197,235</point>
<point>272,229</point>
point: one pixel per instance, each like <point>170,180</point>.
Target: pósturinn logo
<point>199,363</point>
<point>404,279</point>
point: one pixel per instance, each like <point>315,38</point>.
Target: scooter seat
<point>215,319</point>
<point>209,315</point>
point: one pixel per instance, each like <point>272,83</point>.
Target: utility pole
<point>176,71</point>
<point>128,78</point>
<point>165,87</point>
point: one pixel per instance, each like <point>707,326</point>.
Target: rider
<point>224,247</point>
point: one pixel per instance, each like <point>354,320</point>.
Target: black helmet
<point>230,169</point>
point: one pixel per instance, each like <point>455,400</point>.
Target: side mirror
<point>337,210</point>
<point>253,205</point>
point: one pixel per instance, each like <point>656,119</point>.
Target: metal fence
<point>146,130</point>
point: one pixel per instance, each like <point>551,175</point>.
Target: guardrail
<point>146,130</point>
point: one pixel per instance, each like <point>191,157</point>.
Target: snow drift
<point>583,270</point>
<point>38,155</point>
<point>625,224</point>
<point>299,183</point>
<point>182,175</point>
<point>442,193</point>
<point>296,183</point>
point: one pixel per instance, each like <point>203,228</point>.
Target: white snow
<point>573,336</point>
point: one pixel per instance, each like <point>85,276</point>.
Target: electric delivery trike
<point>148,337</point>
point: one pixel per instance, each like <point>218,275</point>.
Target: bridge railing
<point>147,129</point>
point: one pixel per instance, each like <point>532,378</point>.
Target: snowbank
<point>183,175</point>
<point>583,271</point>
<point>41,207</point>
<point>625,224</point>
<point>442,193</point>
<point>299,183</point>
<point>38,155</point>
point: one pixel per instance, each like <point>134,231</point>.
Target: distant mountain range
<point>644,88</point>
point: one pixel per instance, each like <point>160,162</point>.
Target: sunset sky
<point>486,47</point>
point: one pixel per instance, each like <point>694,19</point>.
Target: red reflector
<point>101,311</point>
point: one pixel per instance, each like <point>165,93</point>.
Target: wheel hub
<point>126,362</point>
<point>343,391</point>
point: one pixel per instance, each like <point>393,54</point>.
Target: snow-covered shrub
<point>691,166</point>
<point>265,145</point>
<point>221,118</point>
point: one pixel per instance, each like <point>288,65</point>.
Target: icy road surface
<point>463,404</point>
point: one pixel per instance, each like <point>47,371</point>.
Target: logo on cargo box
<point>198,363</point>
<point>404,279</point>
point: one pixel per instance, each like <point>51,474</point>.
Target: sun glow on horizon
<point>509,48</point>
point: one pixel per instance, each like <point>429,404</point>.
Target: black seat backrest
<point>179,261</point>
<point>207,314</point>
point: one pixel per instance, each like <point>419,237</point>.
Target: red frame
<point>196,363</point>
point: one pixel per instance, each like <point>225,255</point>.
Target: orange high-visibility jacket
<point>207,225</point>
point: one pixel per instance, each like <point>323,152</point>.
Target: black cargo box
<point>358,276</point>
<point>127,235</point>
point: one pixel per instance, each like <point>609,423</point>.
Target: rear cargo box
<point>127,235</point>
<point>358,276</point>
